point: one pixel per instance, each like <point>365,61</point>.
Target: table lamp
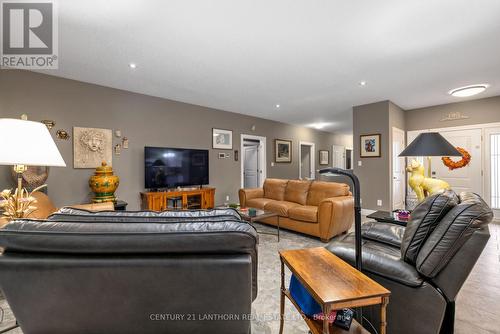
<point>30,145</point>
<point>430,144</point>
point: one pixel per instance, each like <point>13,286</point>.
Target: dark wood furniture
<point>259,215</point>
<point>120,205</point>
<point>192,198</point>
<point>334,284</point>
<point>388,217</point>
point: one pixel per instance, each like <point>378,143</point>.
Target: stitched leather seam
<point>415,232</point>
<point>458,238</point>
<point>427,233</point>
<point>443,235</point>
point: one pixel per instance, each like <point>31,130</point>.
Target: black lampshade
<point>430,144</point>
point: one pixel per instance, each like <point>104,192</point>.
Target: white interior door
<point>398,170</point>
<point>251,166</point>
<point>468,178</point>
<point>338,156</point>
<point>307,160</point>
<point>492,169</point>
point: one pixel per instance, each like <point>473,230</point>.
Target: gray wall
<point>146,121</point>
<point>479,111</point>
<point>373,174</point>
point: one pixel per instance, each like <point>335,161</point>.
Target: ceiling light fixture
<point>132,66</point>
<point>362,83</point>
<point>468,90</point>
<point>319,125</point>
<point>277,106</point>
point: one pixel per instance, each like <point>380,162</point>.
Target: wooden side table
<point>334,284</point>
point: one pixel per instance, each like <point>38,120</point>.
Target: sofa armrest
<point>387,233</point>
<point>249,193</point>
<point>335,216</point>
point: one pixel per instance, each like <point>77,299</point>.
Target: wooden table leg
<point>383,315</point>
<point>282,297</point>
<point>326,314</point>
<point>278,228</point>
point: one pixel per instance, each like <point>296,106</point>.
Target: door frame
<point>487,169</point>
<point>391,178</point>
<point>311,157</point>
<point>262,161</point>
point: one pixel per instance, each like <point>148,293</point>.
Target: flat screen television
<point>175,167</point>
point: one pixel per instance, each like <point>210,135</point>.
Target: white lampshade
<point>27,143</point>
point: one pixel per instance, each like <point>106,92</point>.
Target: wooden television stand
<point>191,198</point>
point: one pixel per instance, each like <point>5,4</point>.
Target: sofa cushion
<point>280,207</point>
<point>378,258</point>
<point>320,190</point>
<point>305,213</point>
<point>258,203</point>
<point>296,191</point>
<point>452,233</point>
<point>424,220</point>
<point>387,233</point>
<point>275,189</point>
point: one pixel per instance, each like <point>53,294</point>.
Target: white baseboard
<point>366,212</point>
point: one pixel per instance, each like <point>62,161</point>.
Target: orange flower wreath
<point>457,164</point>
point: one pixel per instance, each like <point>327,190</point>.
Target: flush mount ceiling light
<point>277,106</point>
<point>362,83</point>
<point>468,90</point>
<point>132,66</point>
<point>319,125</point>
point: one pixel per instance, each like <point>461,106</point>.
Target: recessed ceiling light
<point>132,65</point>
<point>362,83</point>
<point>277,106</point>
<point>468,90</point>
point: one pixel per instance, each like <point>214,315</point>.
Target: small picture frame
<point>324,157</point>
<point>370,146</point>
<point>282,150</point>
<point>222,139</point>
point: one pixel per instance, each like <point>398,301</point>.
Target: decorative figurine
<point>421,185</point>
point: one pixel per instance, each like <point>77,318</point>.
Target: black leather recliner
<point>425,264</point>
<point>130,272</point>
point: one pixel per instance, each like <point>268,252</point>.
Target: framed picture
<point>282,150</point>
<point>324,157</point>
<point>222,139</point>
<point>370,146</point>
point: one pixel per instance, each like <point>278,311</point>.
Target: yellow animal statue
<point>424,186</point>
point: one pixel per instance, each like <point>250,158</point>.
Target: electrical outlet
<point>360,163</point>
<point>360,201</point>
<point>227,198</point>
<point>379,202</point>
<point>272,164</point>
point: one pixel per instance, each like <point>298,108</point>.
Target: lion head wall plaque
<point>91,147</point>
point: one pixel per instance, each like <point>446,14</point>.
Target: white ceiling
<point>306,55</point>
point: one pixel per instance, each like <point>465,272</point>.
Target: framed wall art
<point>222,139</point>
<point>370,146</point>
<point>91,147</point>
<point>282,150</point>
<point>324,157</point>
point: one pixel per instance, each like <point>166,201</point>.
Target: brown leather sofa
<point>320,209</point>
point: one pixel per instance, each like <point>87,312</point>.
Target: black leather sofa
<point>130,272</point>
<point>425,264</point>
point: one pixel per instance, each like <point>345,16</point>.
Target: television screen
<point>175,167</point>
